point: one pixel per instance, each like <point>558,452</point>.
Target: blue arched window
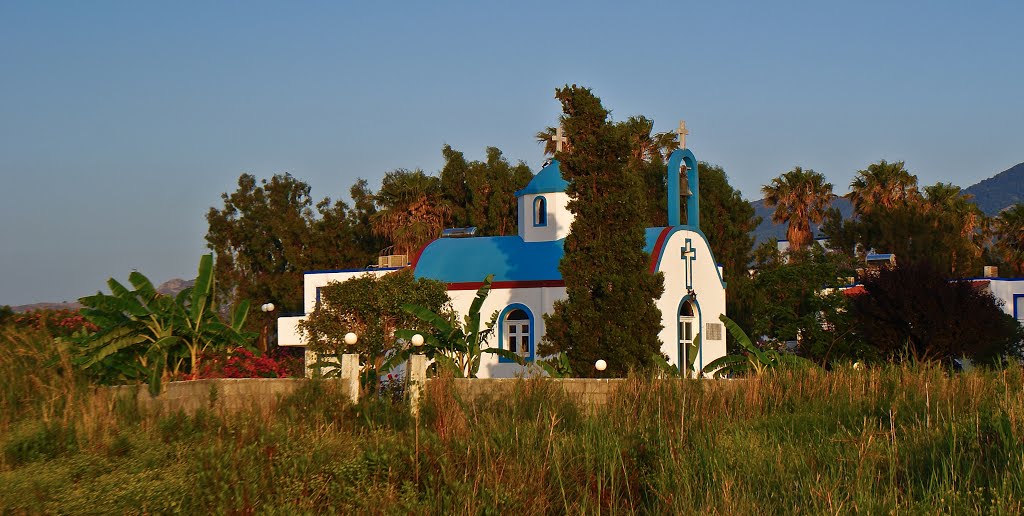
<point>515,331</point>
<point>540,212</point>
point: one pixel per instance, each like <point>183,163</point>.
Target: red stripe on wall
<point>474,285</point>
<point>656,252</point>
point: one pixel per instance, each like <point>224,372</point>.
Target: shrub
<point>39,441</point>
<point>914,309</point>
<point>242,363</point>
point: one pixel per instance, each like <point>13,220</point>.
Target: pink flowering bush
<point>242,363</point>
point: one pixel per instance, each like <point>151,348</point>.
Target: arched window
<point>540,212</point>
<point>687,330</point>
<point>515,331</point>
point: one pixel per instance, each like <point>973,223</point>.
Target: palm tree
<point>800,197</point>
<point>412,210</point>
<point>946,203</point>
<point>884,185</point>
<point>666,142</point>
<point>1009,233</point>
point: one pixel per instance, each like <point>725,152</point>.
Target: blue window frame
<point>516,332</point>
<point>540,211</point>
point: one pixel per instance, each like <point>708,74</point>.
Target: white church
<point>527,281</point>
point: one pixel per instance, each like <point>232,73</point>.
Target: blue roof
<point>509,258</point>
<point>548,180</point>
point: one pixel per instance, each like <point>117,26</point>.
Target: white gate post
<point>350,376</point>
<point>416,378</point>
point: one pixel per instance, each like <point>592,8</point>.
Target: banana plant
<point>145,335</point>
<point>757,361</point>
<point>452,346</point>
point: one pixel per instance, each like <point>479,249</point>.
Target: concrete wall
<point>227,394</point>
<point>585,391</point>
<point>232,394</point>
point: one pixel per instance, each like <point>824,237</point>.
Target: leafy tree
<point>268,233</point>
<point>412,210</point>
<point>609,311</point>
<point>6,314</point>
<point>730,237</point>
<point>797,299</point>
<point>342,236</point>
<point>455,186</point>
<point>943,227</point>
<point>482,194</point>
<point>799,197</point>
<point>912,310</point>
<point>370,307</point>
<point>456,347</point>
<point>1009,237</point>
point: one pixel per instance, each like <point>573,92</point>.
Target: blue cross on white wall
<point>688,254</point>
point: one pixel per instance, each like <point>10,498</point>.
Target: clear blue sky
<point>121,123</point>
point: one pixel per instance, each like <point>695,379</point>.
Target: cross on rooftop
<point>559,139</point>
<point>683,131</point>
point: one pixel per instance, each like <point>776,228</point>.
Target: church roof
<point>548,180</point>
<point>509,258</point>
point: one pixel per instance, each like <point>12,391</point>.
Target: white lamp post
<point>600,365</point>
<point>417,340</point>
<point>266,308</point>
<point>351,338</point>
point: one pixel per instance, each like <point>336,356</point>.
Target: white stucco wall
<point>559,217</point>
<point>287,327</point>
<point>1004,289</point>
<point>710,297</point>
<point>497,300</point>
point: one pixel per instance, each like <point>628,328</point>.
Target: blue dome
<point>548,180</point>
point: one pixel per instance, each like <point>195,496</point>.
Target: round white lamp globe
<point>600,365</point>
<point>351,338</point>
<point>267,307</point>
<point>417,340</point>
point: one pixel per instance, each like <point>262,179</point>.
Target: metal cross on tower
<point>559,139</point>
<point>683,131</point>
<point>688,254</point>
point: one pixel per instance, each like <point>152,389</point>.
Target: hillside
<point>169,287</point>
<point>999,191</point>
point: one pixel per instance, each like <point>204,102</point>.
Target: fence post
<point>350,375</point>
<point>416,378</point>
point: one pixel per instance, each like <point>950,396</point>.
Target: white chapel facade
<point>527,281</point>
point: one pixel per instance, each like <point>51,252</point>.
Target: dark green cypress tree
<point>609,312</point>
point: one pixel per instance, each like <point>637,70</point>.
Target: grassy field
<point>887,439</point>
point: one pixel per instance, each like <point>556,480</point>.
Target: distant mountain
<point>169,287</point>
<point>999,191</point>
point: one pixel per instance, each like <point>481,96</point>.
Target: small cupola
<point>543,212</point>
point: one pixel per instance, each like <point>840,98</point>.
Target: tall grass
<point>889,439</point>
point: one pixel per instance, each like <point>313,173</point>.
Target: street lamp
<point>417,340</point>
<point>600,365</point>
<point>351,338</point>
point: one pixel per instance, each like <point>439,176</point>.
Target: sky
<point>122,123</point>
